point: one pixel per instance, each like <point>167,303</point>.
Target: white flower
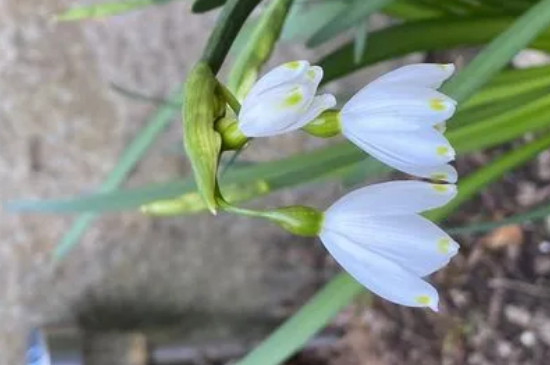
<point>376,234</point>
<point>395,119</point>
<point>284,100</point>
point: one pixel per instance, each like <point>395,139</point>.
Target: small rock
<point>527,194</point>
<point>543,166</point>
<point>544,246</point>
<point>517,315</point>
<point>504,349</point>
<point>542,324</point>
<point>459,298</point>
<point>528,339</point>
<point>511,235</point>
<point>529,58</point>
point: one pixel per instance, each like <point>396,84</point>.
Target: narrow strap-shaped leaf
<point>425,35</point>
<point>498,53</point>
<point>103,10</point>
<point>354,14</point>
<point>201,6</point>
<point>228,25</point>
<point>536,213</point>
<point>258,48</point>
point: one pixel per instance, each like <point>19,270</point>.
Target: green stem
<point>230,98</point>
<point>230,21</point>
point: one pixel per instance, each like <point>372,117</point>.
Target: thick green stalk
<point>258,48</point>
<point>229,23</point>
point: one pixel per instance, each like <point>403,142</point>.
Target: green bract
<point>202,107</point>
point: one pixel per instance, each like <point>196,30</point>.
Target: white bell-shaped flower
<point>396,117</point>
<point>284,100</point>
<point>378,237</point>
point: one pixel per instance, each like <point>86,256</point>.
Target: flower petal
<point>392,198</point>
<point>417,105</point>
<point>418,148</point>
<point>286,73</point>
<point>278,111</point>
<point>412,241</point>
<point>430,75</point>
<point>380,275</point>
<point>445,172</point>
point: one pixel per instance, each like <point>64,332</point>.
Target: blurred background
<point>204,290</point>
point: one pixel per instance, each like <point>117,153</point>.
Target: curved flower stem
<point>230,98</point>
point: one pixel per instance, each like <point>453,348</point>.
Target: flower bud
<point>326,125</point>
<point>202,106</point>
<point>284,100</point>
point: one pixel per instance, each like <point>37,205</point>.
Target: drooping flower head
<point>283,100</point>
<point>395,119</point>
<point>377,235</point>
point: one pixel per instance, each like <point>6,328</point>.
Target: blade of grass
<point>354,14</point>
<point>228,25</point>
<point>259,46</point>
<point>536,213</point>
<point>81,12</point>
<point>425,35</point>
<point>499,52</point>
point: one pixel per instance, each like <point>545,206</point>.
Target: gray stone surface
<point>62,129</point>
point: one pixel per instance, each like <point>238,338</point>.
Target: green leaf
<point>411,10</point>
<point>228,25</point>
<point>201,6</point>
<point>537,213</point>
<point>353,15</point>
<point>306,19</point>
<point>498,53</point>
<point>503,127</point>
<point>279,174</point>
<point>258,47</point>
<point>105,9</point>
<point>309,319</point>
<point>425,35</point>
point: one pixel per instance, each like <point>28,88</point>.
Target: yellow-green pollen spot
<point>293,99</point>
<point>440,188</point>
<point>437,104</point>
<point>444,66</point>
<point>442,150</point>
<point>311,74</point>
<point>439,176</point>
<point>293,65</point>
<point>422,299</point>
<point>443,245</point>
